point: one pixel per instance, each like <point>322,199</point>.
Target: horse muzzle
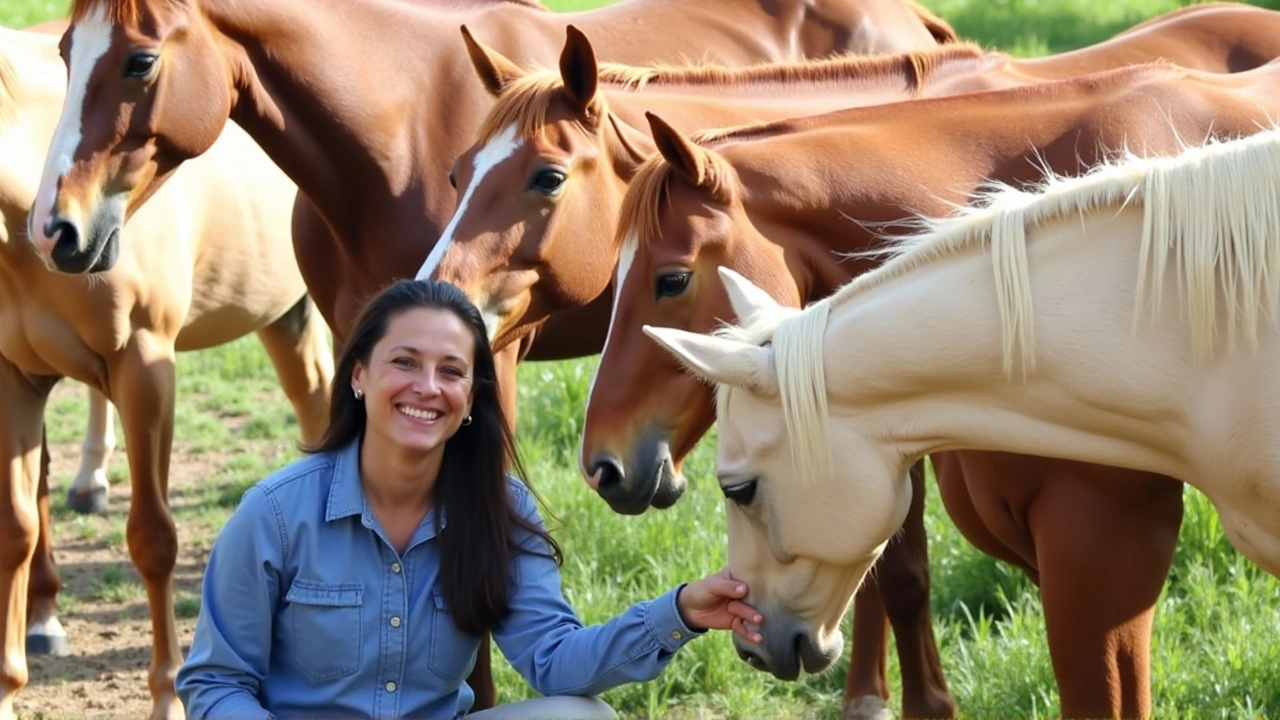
<point>650,480</point>
<point>788,648</point>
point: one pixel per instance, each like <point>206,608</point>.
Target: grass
<point>1215,652</point>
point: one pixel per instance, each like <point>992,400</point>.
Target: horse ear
<point>720,360</point>
<point>578,69</point>
<point>686,157</point>
<point>494,69</point>
<point>746,298</point>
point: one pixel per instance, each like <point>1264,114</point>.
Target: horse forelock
<point>117,11</point>
<point>640,214</point>
<point>524,105</point>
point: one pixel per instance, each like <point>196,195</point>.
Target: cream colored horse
<point>1125,318</point>
<point>207,260</point>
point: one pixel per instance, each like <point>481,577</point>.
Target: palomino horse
<point>208,261</point>
<point>153,81</point>
<point>1126,318</point>
<point>803,227</point>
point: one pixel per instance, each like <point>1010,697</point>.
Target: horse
<point>1126,318</point>
<point>802,228</point>
<point>206,261</point>
<point>370,159</point>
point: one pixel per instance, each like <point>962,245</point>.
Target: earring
<point>466,421</point>
<point>358,393</point>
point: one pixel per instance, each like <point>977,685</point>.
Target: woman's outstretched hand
<point>715,603</point>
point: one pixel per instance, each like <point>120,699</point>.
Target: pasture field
<point>1217,639</point>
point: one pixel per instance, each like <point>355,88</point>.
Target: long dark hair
<point>479,543</point>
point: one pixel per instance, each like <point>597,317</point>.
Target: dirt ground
<point>109,632</point>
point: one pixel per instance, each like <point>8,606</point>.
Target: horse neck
<point>919,359</point>
<point>337,115</point>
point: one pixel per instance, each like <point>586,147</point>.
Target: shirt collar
<point>346,498</point>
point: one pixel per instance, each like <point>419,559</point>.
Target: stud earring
<point>358,393</point>
<point>466,421</point>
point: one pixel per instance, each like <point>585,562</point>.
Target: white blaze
<point>90,40</point>
<point>499,148</point>
<point>626,256</point>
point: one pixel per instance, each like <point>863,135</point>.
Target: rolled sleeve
<point>230,653</point>
<point>662,618</point>
<point>548,645</point>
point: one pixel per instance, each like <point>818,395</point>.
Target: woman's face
<point>417,385</point>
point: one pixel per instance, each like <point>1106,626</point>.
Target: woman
<point>358,581</point>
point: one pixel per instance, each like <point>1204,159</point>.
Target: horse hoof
<point>867,708</point>
<point>88,502</point>
<point>47,645</point>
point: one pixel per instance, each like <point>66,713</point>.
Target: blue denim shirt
<point>308,611</point>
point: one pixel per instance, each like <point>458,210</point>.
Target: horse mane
<point>525,102</point>
<point>1212,207</point>
<point>8,88</point>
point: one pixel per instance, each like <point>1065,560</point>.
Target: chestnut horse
<point>153,81</point>
<point>525,240</point>
<point>208,261</point>
<point>802,228</point>
<point>1127,318</point>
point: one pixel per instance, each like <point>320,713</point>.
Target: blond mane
<point>525,102</point>
<point>8,89</point>
<point>1211,209</point>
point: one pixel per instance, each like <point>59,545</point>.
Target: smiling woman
<point>404,516</point>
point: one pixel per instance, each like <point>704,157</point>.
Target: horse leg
<point>866,689</point>
<point>903,575</point>
<point>1121,535</point>
<point>299,350</point>
<point>88,492</point>
<point>142,385</point>
<point>21,428</point>
<point>45,635</point>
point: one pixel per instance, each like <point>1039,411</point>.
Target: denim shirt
<point>308,611</point>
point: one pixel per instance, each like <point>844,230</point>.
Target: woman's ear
<point>357,375</point>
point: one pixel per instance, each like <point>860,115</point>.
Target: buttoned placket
<point>391,632</point>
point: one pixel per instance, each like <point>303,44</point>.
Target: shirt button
<point>395,622</point>
<point>395,568</point>
<point>676,635</point>
<point>391,687</point>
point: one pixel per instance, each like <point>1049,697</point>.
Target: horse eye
<point>547,181</point>
<point>139,65</point>
<point>742,494</point>
<point>671,284</point>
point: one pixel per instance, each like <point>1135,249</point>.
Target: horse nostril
<point>68,243</point>
<point>611,474</point>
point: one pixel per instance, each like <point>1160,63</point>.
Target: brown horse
<point>208,260</point>
<point>801,228</point>
<point>524,251</point>
<point>372,156</point>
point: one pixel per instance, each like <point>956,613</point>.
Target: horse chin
<point>99,255</point>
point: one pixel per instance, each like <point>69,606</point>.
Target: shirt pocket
<point>326,627</point>
<point>453,653</point>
